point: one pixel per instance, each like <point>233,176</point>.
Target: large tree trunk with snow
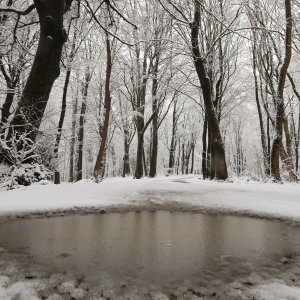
<point>35,95</point>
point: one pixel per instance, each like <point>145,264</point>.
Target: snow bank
<point>275,290</point>
<point>258,199</point>
<point>19,290</point>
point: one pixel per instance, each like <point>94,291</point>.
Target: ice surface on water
<point>151,246</point>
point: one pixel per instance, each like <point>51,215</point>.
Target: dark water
<point>147,245</point>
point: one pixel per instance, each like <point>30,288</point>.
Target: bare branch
<point>25,12</point>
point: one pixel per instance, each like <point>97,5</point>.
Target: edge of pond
<point>171,206</point>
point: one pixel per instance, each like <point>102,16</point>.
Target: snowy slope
<point>266,200</point>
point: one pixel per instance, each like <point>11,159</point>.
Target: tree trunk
<point>5,111</point>
<point>182,158</point>
<point>178,158</point>
<point>279,101</point>
<point>269,144</point>
<point>140,110</point>
<point>45,68</point>
<point>288,164</point>
<point>296,133</point>
<point>85,88</point>
<point>173,139</point>
<point>154,149</point>
<point>209,161</point>
<point>204,150</point>
<point>297,142</point>
<point>126,165</point>
<point>288,139</point>
<point>106,113</point>
<point>154,142</point>
<point>73,140</point>
<point>10,83</point>
<point>79,164</point>
<point>62,115</point>
<point>193,158</point>
<point>187,158</point>
<point>218,152</point>
<point>139,169</point>
<point>260,116</point>
<point>145,161</point>
<point>64,98</point>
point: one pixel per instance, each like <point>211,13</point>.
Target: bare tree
<point>30,111</point>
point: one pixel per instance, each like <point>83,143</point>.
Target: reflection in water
<point>148,245</point>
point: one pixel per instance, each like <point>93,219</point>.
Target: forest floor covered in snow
<point>20,278</point>
<point>183,193</point>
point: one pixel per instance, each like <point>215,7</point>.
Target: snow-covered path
<point>257,199</point>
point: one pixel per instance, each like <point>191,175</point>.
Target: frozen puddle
<point>153,247</point>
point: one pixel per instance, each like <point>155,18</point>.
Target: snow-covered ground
<point>241,197</point>
<point>181,193</point>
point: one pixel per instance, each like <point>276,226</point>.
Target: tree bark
<point>106,113</point>
<point>85,88</point>
<point>73,140</point>
<point>288,139</point>
<point>296,132</point>
<point>260,116</point>
<point>297,142</point>
<point>62,114</point>
<point>126,165</point>
<point>279,101</point>
<point>139,168</point>
<point>193,158</point>
<point>35,95</point>
<point>5,111</point>
<point>218,152</point>
<point>140,110</point>
<point>154,142</point>
<point>173,139</point>
<point>12,79</point>
<point>204,149</point>
<point>10,83</point>
<point>288,164</point>
<point>64,98</point>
